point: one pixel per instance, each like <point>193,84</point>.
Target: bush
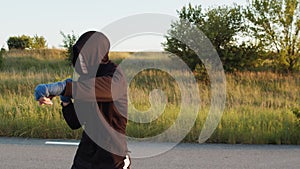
<point>23,42</point>
<point>241,58</point>
<point>38,42</point>
<point>68,41</point>
<point>19,42</point>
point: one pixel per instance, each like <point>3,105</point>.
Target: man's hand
<point>45,92</point>
<point>45,100</point>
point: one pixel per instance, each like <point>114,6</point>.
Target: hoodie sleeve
<point>104,89</point>
<point>70,116</point>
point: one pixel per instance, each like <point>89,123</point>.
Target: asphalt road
<point>34,154</point>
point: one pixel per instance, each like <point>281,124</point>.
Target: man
<point>100,103</point>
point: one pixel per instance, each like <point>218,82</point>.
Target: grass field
<point>261,107</point>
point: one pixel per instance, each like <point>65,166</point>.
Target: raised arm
<point>103,89</point>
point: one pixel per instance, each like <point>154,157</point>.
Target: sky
<point>47,18</point>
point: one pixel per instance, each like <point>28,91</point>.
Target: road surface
<point>16,153</point>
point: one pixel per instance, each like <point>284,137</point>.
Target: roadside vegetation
<point>258,45</point>
<point>261,107</point>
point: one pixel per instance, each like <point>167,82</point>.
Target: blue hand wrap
<point>52,89</point>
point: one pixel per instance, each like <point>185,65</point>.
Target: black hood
<point>94,48</point>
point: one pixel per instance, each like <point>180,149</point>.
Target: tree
<point>221,25</point>
<point>276,26</point>
<point>22,42</point>
<point>38,42</point>
<point>175,46</point>
<point>68,41</point>
<point>19,42</point>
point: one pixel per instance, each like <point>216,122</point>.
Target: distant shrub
<point>38,42</point>
<point>23,42</point>
<point>19,42</point>
<point>68,41</point>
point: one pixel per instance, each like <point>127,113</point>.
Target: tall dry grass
<point>260,108</point>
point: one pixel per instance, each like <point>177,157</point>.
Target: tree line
<point>26,42</point>
<point>261,35</point>
<point>39,42</point>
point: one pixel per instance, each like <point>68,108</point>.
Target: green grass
<point>19,113</point>
<point>261,108</point>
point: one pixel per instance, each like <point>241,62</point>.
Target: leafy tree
<point>19,42</point>
<point>68,41</point>
<point>276,26</point>
<point>38,42</point>
<point>22,42</point>
<point>193,15</point>
<point>221,25</point>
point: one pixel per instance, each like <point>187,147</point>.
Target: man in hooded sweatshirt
<point>100,104</point>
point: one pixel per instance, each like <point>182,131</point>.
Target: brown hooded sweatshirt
<point>100,104</point>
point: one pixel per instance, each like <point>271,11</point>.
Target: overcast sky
<point>47,18</point>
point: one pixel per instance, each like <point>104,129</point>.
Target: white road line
<point>61,143</point>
